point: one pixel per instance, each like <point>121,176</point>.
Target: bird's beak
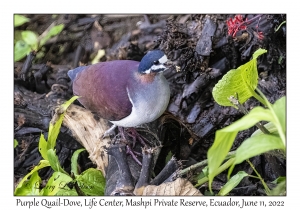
<point>168,64</point>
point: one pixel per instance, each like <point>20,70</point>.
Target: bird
<point>125,92</point>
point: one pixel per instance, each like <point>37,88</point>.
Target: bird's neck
<point>146,78</point>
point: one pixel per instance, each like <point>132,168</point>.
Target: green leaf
<point>99,55</point>
<point>31,186</point>
<point>74,159</point>
<point>54,127</point>
<point>30,38</point>
<point>91,182</point>
<point>279,180</point>
<point>21,50</point>
<point>20,20</point>
<point>68,103</point>
<point>225,137</point>
<point>256,145</point>
<point>66,191</point>
<point>232,183</point>
<point>279,114</point>
<point>54,161</point>
<point>15,143</point>
<point>56,182</point>
<point>42,164</point>
<point>54,130</point>
<point>280,189</point>
<point>17,36</point>
<point>218,151</point>
<point>43,147</point>
<point>258,53</point>
<point>241,82</point>
<point>52,32</point>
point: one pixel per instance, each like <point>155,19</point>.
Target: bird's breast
<point>149,99</point>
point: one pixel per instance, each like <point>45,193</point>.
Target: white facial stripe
<point>163,59</point>
<point>148,71</point>
<point>155,67</point>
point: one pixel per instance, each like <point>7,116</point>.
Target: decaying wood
<point>88,132</point>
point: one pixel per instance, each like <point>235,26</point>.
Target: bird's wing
<point>102,88</point>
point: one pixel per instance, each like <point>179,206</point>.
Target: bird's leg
<point>136,136</point>
<point>133,154</point>
<point>131,132</point>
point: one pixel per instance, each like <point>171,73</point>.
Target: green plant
<point>27,41</point>
<point>236,87</point>
<point>89,182</point>
<point>15,143</point>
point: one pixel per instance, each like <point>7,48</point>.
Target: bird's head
<point>153,61</point>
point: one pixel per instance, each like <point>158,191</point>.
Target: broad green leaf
<point>241,82</point>
<point>20,20</point>
<point>15,143</point>
<point>225,137</point>
<point>232,183</point>
<point>52,32</point>
<point>21,50</point>
<point>54,127</point>
<point>91,182</point>
<point>56,182</point>
<point>256,145</point>
<point>54,161</point>
<point>30,38</point>
<point>74,159</point>
<point>42,164</point>
<point>31,186</point>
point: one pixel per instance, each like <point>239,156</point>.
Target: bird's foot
<point>133,154</point>
<point>109,132</point>
<point>132,132</point>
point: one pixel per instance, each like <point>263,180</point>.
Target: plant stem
<point>220,170</point>
<point>202,163</point>
<point>268,191</point>
<point>276,29</point>
<point>242,109</point>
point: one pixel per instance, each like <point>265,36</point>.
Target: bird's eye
<point>156,62</point>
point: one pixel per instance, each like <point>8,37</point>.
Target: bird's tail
<point>73,73</point>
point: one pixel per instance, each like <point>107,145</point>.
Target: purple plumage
<point>102,88</point>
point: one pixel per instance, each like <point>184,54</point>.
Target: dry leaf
<point>179,187</point>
